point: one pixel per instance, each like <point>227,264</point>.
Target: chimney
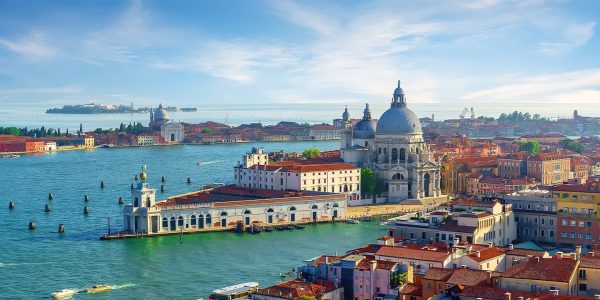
<point>507,296</point>
<point>521,298</point>
<point>554,292</point>
<point>490,245</point>
<point>511,247</point>
<point>463,266</point>
<point>455,242</point>
<point>578,251</point>
<point>591,253</point>
<point>478,254</point>
<point>537,259</point>
<point>373,265</point>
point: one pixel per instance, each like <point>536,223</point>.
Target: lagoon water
<point>34,264</point>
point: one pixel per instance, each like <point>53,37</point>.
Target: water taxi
<point>99,288</point>
<point>238,291</point>
<point>10,156</point>
<point>64,294</point>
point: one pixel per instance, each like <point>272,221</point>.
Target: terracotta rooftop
<point>365,264</point>
<point>547,269</point>
<point>294,289</point>
<point>453,226</point>
<point>300,166</point>
<point>590,260</point>
<point>401,252</point>
<point>234,195</point>
<point>469,277</point>
<point>321,260</point>
<point>591,186</point>
<point>487,254</point>
<point>411,289</point>
<point>526,252</point>
<point>438,274</point>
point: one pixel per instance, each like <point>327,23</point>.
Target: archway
<point>165,223</point>
<point>426,180</point>
<point>292,214</point>
<point>180,221</point>
<point>173,224</point>
<point>200,221</point>
<point>224,219</point>
<point>193,220</point>
<point>247,217</point>
<point>398,176</point>
<point>208,220</point>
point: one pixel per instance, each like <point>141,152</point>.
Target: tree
<point>572,145</point>
<point>533,147</point>
<point>311,153</point>
<point>398,279</point>
<point>307,298</point>
<point>368,181</point>
<point>207,130</point>
<point>536,117</point>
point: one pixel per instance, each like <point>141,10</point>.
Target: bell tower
<point>143,195</point>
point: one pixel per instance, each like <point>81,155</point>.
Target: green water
<point>34,264</point>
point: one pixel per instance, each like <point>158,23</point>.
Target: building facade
<point>535,215</point>
<point>172,132</point>
<point>578,222</point>
<point>255,171</point>
<point>395,149</point>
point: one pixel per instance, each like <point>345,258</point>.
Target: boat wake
<point>203,163</point>
<point>123,286</point>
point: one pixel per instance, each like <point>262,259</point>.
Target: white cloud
<point>33,47</point>
<point>67,89</point>
<point>571,37</point>
<point>577,86</point>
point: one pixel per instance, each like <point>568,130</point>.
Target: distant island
<point>97,108</point>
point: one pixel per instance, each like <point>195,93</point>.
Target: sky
<point>197,53</point>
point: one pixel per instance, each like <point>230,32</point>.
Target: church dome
<point>161,114</point>
<point>398,119</point>
<point>365,129</point>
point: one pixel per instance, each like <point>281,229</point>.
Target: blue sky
<point>277,52</point>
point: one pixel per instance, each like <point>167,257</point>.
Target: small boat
<point>10,156</point>
<point>242,290</point>
<point>290,227</point>
<point>287,274</point>
<point>99,288</point>
<point>280,228</point>
<point>200,163</point>
<point>63,294</point>
<point>366,219</point>
<point>268,229</point>
<point>352,221</point>
<point>299,226</point>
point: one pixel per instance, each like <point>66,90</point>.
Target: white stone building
<point>223,208</point>
<point>255,171</point>
<point>172,132</point>
<point>395,149</point>
<point>50,146</point>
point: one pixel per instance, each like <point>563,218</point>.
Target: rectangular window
<point>583,287</point>
<point>588,224</point>
<point>581,223</point>
<point>564,234</point>
<point>582,274</point>
<point>580,235</point>
<point>588,236</point>
<point>572,235</point>
<point>552,233</point>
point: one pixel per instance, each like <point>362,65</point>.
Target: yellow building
<point>589,275</point>
<point>578,221</point>
<point>88,142</point>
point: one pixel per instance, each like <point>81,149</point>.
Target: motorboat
<point>242,290</point>
<point>10,156</point>
<point>64,294</point>
<point>352,221</point>
<point>99,288</point>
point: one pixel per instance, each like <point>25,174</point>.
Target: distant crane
<point>466,111</point>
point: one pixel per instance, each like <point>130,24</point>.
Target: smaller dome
<point>365,129</point>
<point>161,114</point>
<point>346,115</point>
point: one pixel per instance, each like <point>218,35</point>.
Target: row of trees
<point>37,132</point>
<point>518,116</point>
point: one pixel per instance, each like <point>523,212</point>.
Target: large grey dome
<point>398,119</point>
<point>365,129</point>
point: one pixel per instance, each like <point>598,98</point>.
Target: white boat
<point>352,221</point>
<point>64,294</point>
<point>10,156</point>
<point>238,291</point>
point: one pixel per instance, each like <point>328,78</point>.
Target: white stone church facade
<point>394,147</point>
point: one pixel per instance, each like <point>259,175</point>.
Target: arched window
<point>148,202</point>
<point>165,223</point>
<point>173,223</point>
<point>208,220</point>
<point>293,208</point>
<point>247,212</point>
<point>270,210</point>
<point>398,176</point>
<point>193,220</point>
<point>200,221</point>
<point>402,154</point>
<point>394,154</point>
<point>314,207</point>
<point>336,205</point>
<point>223,213</point>
<point>180,221</point>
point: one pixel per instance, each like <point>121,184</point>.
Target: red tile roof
<point>438,274</point>
<point>321,260</point>
<point>468,277</point>
<point>592,186</point>
<point>590,260</point>
<point>526,252</point>
<point>295,288</point>
<point>487,254</point>
<point>400,252</point>
<point>411,289</point>
<point>547,269</point>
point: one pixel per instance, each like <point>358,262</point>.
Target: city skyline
<point>285,52</point>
